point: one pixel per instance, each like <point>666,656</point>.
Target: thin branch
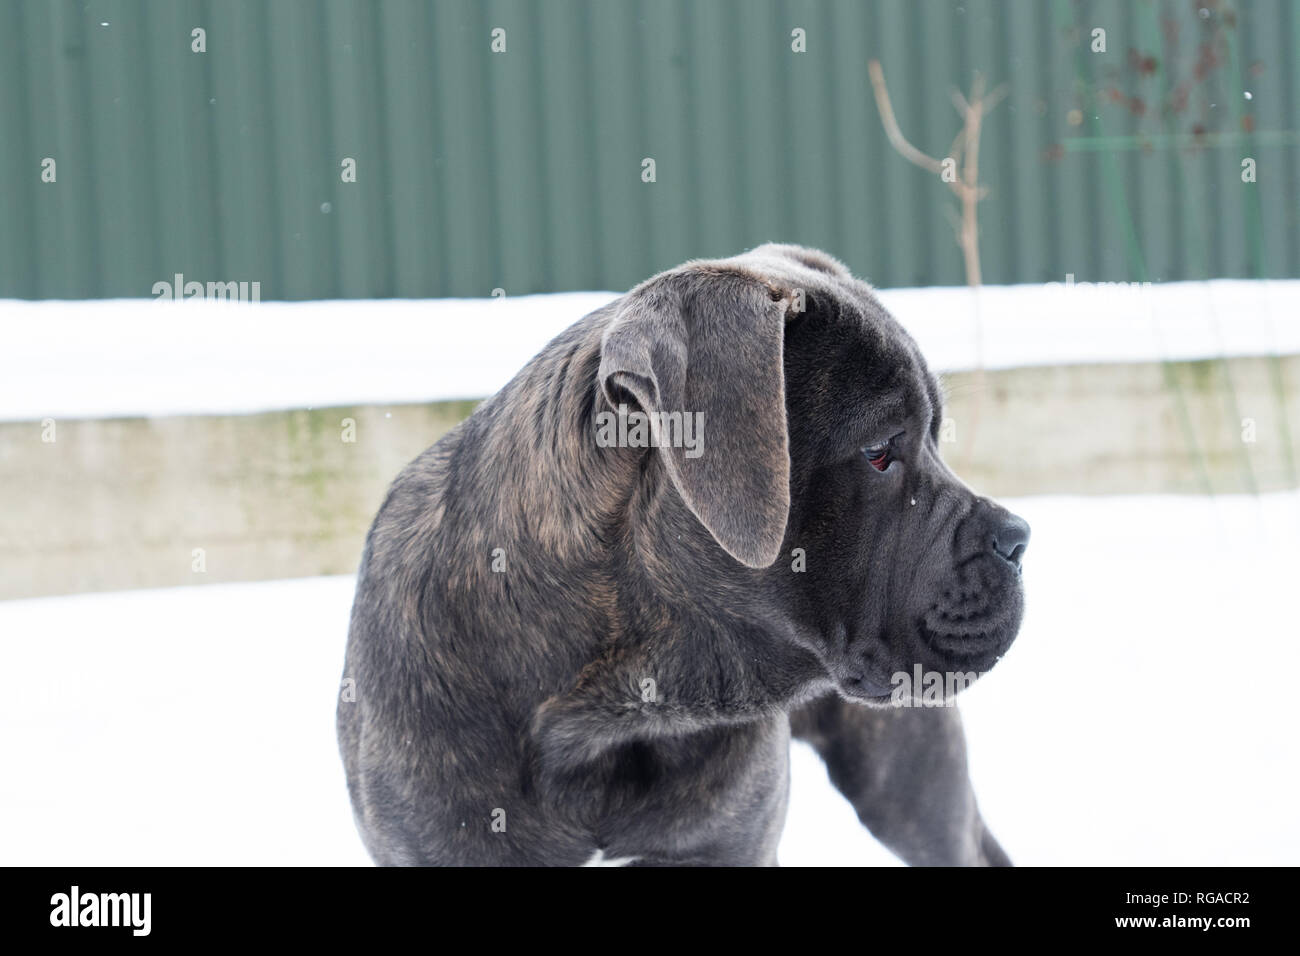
<point>963,159</point>
<point>994,98</point>
<point>954,220</point>
<point>896,138</point>
<point>958,145</point>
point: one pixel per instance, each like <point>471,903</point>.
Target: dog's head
<point>815,462</point>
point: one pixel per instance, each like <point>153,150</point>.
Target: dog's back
<point>459,632</point>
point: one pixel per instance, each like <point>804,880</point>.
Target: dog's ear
<point>710,340</point>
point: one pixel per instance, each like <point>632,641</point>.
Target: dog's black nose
<point>1010,536</point>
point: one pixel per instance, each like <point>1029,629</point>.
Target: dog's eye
<point>879,456</point>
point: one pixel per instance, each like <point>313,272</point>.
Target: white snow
<point>108,358</point>
<point>1145,715</point>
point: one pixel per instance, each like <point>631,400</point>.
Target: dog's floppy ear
<point>709,340</point>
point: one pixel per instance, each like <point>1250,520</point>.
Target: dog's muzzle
<point>976,615</point>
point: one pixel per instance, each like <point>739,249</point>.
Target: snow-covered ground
<point>146,357</point>
<point>1145,716</point>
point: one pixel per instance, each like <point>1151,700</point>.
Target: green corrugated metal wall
<point>522,170</point>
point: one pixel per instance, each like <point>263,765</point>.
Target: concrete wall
<point>124,503</point>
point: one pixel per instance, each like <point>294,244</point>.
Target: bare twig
<point>896,138</point>
<point>994,98</point>
<point>964,150</point>
<point>965,184</point>
<point>958,144</point>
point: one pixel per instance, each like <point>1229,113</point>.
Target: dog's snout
<point>1010,537</point>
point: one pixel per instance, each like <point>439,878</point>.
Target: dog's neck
<point>632,548</point>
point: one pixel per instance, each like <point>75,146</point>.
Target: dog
<point>706,518</point>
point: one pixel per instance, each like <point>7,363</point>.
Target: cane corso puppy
<point>708,516</point>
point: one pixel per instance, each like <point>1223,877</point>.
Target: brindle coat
<point>563,651</point>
